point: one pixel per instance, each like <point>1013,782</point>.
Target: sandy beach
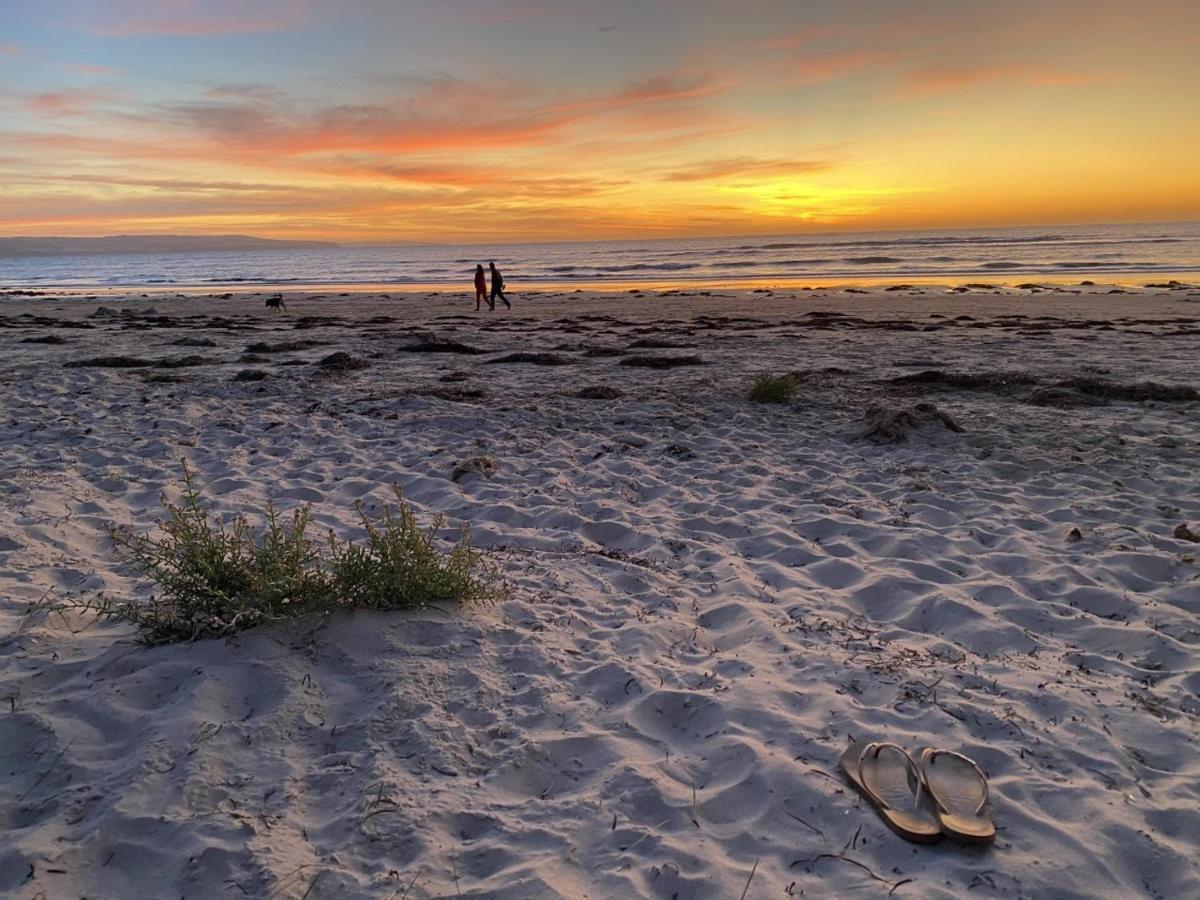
<point>705,598</point>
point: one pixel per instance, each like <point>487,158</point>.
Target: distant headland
<point>147,243</point>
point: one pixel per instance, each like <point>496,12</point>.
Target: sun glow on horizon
<point>511,120</point>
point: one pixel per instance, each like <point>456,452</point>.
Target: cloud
<point>245,91</point>
<point>67,102</point>
<point>174,185</point>
<point>799,38</point>
<point>195,18</point>
<point>743,167</point>
<point>93,69</point>
<point>444,114</point>
<point>13,51</point>
<point>816,67</point>
<point>665,88</point>
<point>930,80</point>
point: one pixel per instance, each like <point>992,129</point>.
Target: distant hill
<point>146,243</point>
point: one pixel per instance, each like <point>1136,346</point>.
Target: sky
<point>507,120</point>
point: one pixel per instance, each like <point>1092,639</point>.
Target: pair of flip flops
<point>945,793</point>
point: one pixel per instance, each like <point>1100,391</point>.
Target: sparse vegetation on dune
<point>768,388</point>
<point>215,578</point>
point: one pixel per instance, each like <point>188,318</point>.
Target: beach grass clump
<point>400,565</point>
<point>216,578</point>
<point>768,388</point>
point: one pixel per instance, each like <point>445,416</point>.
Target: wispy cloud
<point>93,69</point>
<point>930,80</point>
<point>195,18</point>
<point>799,38</point>
<point>816,67</point>
<point>67,102</point>
<point>746,167</point>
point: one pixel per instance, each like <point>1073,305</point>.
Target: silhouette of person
<point>497,286</point>
<point>481,289</point>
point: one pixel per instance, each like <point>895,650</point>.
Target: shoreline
<point>707,598</point>
<point>1177,280</point>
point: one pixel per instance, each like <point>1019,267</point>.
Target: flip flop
<point>887,776</point>
<point>959,790</point>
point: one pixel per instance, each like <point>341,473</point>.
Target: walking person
<point>497,286</point>
<point>481,292</point>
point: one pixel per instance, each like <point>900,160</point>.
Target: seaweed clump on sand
<point>532,358</point>
<point>1137,392</point>
<point>648,361</point>
<point>893,426</point>
<point>281,347</point>
<point>430,342</point>
<point>991,382</point>
<point>341,361</point>
<point>599,392</point>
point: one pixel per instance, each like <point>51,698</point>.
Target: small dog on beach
<point>276,303</point>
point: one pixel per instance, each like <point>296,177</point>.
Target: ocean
<point>1123,253</point>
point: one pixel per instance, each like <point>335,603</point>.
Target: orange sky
<point>532,120</point>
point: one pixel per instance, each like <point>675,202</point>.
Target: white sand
<point>708,599</point>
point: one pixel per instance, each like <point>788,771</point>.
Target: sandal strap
<point>929,754</point>
<point>877,747</point>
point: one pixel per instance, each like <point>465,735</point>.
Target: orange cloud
<point>817,67</point>
<point>15,51</point>
<point>799,38</point>
<point>746,167</point>
<point>68,102</point>
<point>930,80</point>
<point>672,87</point>
<point>447,114</point>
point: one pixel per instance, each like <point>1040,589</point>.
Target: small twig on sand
<point>852,844</point>
<point>286,881</point>
<point>411,885</point>
<point>807,825</point>
<point>750,879</point>
<point>661,824</point>
<point>893,885</point>
<point>312,884</point>
<point>454,869</point>
<point>42,777</point>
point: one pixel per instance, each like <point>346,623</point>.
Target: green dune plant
<point>215,578</point>
<point>768,388</point>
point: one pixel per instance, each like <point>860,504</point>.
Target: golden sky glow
<point>478,120</point>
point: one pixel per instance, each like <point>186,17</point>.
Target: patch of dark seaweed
<point>111,362</point>
<point>263,347</point>
<point>662,362</point>
<point>251,375</point>
<point>658,344</point>
<point>993,382</point>
<point>458,394</point>
<point>428,342</point>
<point>1063,398</point>
<point>194,342</point>
<point>181,362</point>
<point>1138,392</point>
<point>341,362</point>
<point>532,358</point>
<point>599,392</point>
